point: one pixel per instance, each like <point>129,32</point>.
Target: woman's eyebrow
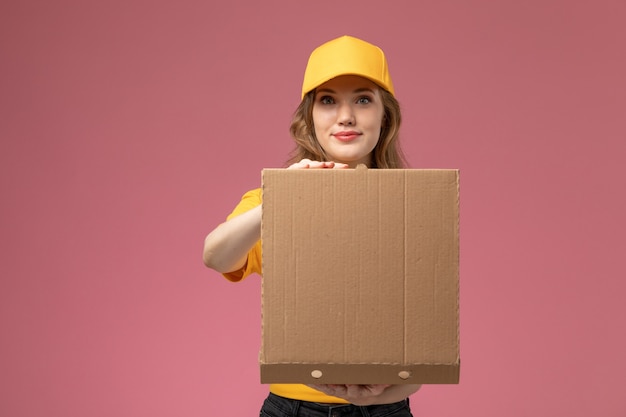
<point>364,90</point>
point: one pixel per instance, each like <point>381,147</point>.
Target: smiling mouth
<point>346,136</point>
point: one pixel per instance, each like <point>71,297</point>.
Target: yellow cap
<point>346,56</point>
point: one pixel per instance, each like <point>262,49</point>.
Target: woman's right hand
<point>308,164</point>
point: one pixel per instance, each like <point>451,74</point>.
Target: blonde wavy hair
<point>386,154</point>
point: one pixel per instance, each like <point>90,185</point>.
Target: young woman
<point>348,116</point>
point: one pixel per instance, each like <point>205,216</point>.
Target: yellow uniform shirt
<point>253,265</point>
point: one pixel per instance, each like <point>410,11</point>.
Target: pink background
<point>129,129</point>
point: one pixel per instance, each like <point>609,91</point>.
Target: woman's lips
<point>346,136</point>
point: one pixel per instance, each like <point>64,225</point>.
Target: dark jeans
<point>275,406</point>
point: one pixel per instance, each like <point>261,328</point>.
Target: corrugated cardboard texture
<point>360,276</point>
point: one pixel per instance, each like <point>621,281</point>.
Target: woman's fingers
<point>308,164</point>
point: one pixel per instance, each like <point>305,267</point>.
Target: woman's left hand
<point>368,394</point>
<point>355,394</point>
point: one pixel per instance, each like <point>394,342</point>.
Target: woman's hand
<point>308,164</point>
<point>355,394</point>
<point>368,394</point>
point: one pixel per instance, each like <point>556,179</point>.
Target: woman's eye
<point>363,100</point>
<point>326,100</point>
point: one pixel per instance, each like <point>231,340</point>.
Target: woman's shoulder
<point>255,194</point>
<point>249,200</point>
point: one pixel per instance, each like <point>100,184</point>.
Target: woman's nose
<point>346,115</point>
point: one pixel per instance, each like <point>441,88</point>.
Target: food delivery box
<point>360,276</point>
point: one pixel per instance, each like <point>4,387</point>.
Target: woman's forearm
<point>227,246</point>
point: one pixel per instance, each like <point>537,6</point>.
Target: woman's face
<point>347,116</point>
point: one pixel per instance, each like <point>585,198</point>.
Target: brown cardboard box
<point>360,276</point>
